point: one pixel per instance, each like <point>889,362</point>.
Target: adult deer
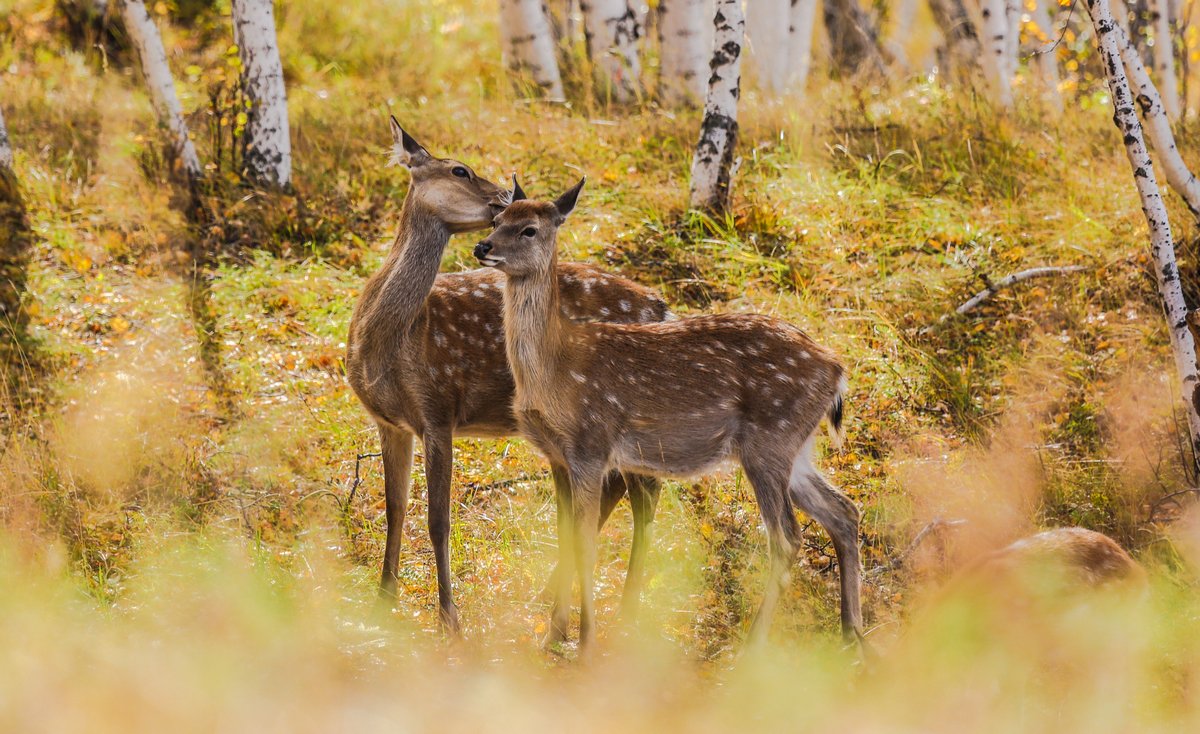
<point>675,399</point>
<point>426,355</point>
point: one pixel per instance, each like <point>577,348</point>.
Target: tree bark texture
<point>268,158</point>
<point>713,161</point>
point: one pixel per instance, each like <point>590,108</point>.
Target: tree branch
<point>995,287</point>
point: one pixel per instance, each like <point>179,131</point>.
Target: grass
<point>181,546</point>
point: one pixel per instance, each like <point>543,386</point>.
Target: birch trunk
<point>801,23</point>
<point>767,38</point>
<point>611,30</point>
<point>903,14</point>
<point>683,50</point>
<point>268,158</point>
<point>996,30</point>
<point>1164,57</point>
<point>1157,125</point>
<point>962,43</point>
<point>529,43</point>
<point>148,42</point>
<point>713,161</point>
<point>853,37</point>
<point>1047,60</point>
<point>1108,36</point>
<point>6,153</point>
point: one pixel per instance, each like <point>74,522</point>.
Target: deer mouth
<point>490,261</point>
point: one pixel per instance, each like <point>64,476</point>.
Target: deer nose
<point>482,249</point>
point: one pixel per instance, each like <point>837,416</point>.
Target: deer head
<point>446,188</point>
<point>526,232</point>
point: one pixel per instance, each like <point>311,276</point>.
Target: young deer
<point>426,355</point>
<point>669,399</point>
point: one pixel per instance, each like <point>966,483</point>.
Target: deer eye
<point>529,232</point>
<point>460,172</point>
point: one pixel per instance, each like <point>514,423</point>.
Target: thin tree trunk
<point>903,13</point>
<point>6,152</point>
<point>683,51</point>
<point>801,23</point>
<point>146,39</point>
<point>853,37</point>
<point>962,48</point>
<point>1047,60</point>
<point>529,43</point>
<point>1162,247</point>
<point>991,17</point>
<point>612,31</point>
<point>1164,57</point>
<point>713,161</point>
<point>268,158</point>
<point>1157,125</point>
<point>767,38</point>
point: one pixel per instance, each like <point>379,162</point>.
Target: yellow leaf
<point>119,325</point>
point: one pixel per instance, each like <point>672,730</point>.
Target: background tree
<point>612,31</point>
<point>685,43</point>
<point>767,38</point>
<point>853,37</point>
<point>801,24</point>
<point>713,162</point>
<point>15,241</point>
<point>144,35</point>
<point>529,44</point>
<point>961,50</point>
<point>268,157</point>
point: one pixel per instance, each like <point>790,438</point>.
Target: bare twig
<point>995,287</point>
<point>357,479</point>
<point>900,558</point>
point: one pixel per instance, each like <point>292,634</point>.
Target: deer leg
<point>397,448</point>
<point>643,496</point>
<point>560,579</point>
<point>614,490</point>
<point>586,488</point>
<point>839,516</point>
<point>783,540</point>
<point>439,469</point>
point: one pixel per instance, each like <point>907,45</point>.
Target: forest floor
<point>191,502</point>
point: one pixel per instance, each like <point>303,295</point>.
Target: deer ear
<point>406,151</point>
<point>517,193</point>
<point>565,203</point>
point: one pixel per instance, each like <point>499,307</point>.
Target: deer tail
<point>836,412</point>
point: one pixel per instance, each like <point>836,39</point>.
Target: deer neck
<point>534,333</point>
<point>409,270</point>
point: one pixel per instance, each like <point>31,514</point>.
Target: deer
<point>669,399</point>
<point>426,358</point>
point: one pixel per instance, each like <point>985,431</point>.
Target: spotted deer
<point>426,356</point>
<point>676,398</point>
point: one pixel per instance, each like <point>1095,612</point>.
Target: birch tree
<point>801,23</point>
<point>1182,180</point>
<point>684,36</point>
<point>528,43</point>
<point>962,43</point>
<point>1162,246</point>
<point>1164,57</point>
<point>713,162</point>
<point>268,157</point>
<point>853,37</point>
<point>767,38</point>
<point>611,29</point>
<point>144,35</point>
<point>6,152</point>
<point>997,24</point>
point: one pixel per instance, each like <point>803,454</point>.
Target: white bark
<point>1047,60</point>
<point>1164,57</point>
<point>268,139</point>
<point>767,40</point>
<point>612,30</point>
<point>684,45</point>
<point>1162,247</point>
<point>6,152</point>
<point>801,25</point>
<point>996,30</point>
<point>713,161</point>
<point>529,43</point>
<point>903,13</point>
<point>148,42</point>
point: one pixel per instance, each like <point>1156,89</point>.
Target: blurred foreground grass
<point>185,544</point>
